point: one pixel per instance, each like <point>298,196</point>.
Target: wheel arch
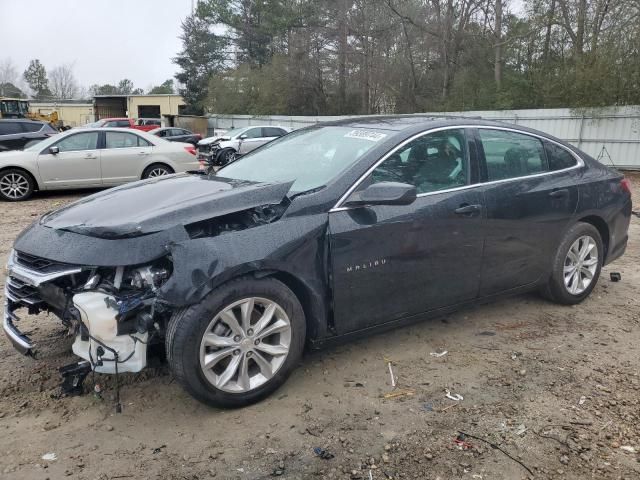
<point>603,229</point>
<point>160,162</point>
<point>314,307</point>
<point>25,170</point>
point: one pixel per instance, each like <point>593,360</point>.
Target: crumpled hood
<point>161,203</point>
<point>210,140</point>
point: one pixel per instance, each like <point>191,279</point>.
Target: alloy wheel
<point>158,172</point>
<point>245,345</point>
<point>580,265</point>
<point>14,185</point>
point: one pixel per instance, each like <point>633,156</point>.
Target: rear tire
<point>16,185</point>
<point>576,266</point>
<point>157,170</point>
<point>227,364</point>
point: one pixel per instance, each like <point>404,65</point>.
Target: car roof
<point>23,120</point>
<point>112,118</point>
<point>404,122</point>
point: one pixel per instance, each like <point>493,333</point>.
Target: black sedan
<point>174,134</point>
<point>329,233</point>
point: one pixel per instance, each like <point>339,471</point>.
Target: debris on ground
<point>322,453</point>
<point>455,397</point>
<point>439,354</point>
<point>615,276</point>
<point>49,457</point>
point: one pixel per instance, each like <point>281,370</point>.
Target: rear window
<point>10,128</point>
<point>273,132</point>
<point>558,157</point>
<point>124,140</point>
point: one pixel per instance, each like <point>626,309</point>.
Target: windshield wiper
<point>306,192</point>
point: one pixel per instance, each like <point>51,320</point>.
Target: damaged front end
<point>113,312</point>
<point>105,264</point>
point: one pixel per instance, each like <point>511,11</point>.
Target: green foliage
<point>165,88</point>
<point>8,89</point>
<point>202,56</point>
<point>325,57</point>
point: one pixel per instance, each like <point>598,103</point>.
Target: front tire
<point>226,157</point>
<point>238,344</point>
<point>576,266</point>
<point>15,185</point>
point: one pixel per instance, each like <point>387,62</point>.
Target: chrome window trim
<point>579,162</point>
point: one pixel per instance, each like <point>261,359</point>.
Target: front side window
<point>433,162</point>
<point>512,154</point>
<point>123,140</point>
<point>558,157</point>
<point>32,127</point>
<point>311,158</point>
<point>253,133</point>
<point>78,141</point>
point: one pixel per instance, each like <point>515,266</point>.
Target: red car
<point>144,124</point>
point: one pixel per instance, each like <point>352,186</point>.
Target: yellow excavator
<point>19,108</point>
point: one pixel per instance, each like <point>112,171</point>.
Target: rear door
<point>528,204</point>
<point>391,262</point>
<point>123,157</point>
<point>77,163</point>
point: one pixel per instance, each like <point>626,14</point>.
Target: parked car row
<point>89,158</point>
<point>144,124</point>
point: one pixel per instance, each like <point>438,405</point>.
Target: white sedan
<point>90,158</point>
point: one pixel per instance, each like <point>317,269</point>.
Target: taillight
<point>625,184</point>
<point>191,150</point>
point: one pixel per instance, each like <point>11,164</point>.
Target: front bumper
<point>19,340</point>
<point>21,290</point>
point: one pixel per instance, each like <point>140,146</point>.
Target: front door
<point>77,163</point>
<point>252,139</point>
<point>390,262</point>
<point>528,207</point>
<point>123,157</point>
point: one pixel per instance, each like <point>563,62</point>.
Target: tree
<point>105,89</point>
<point>125,86</point>
<point>165,88</point>
<point>137,91</point>
<point>201,56</point>
<point>9,79</point>
<point>63,82</point>
<point>36,77</point>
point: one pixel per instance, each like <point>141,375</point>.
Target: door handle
<point>90,156</point>
<point>143,153</point>
<point>469,210</point>
<point>561,193</point>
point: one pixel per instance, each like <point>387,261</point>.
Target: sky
<point>105,40</point>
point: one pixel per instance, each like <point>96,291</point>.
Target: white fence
<point>611,135</point>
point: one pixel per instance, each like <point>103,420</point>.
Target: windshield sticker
<point>366,135</point>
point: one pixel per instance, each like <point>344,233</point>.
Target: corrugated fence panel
<point>611,135</point>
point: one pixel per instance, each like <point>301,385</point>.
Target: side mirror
<point>383,193</point>
<point>243,136</point>
<point>54,150</point>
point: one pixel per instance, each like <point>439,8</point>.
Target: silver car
<point>220,150</point>
<point>90,158</point>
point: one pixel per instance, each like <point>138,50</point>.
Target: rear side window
<point>273,132</point>
<point>10,128</point>
<point>124,140</point>
<point>31,127</point>
<point>253,133</point>
<point>511,154</point>
<point>558,157</point>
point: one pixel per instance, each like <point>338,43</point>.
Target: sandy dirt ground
<point>555,388</point>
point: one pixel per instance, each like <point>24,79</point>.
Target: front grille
<point>39,264</point>
<point>22,292</point>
